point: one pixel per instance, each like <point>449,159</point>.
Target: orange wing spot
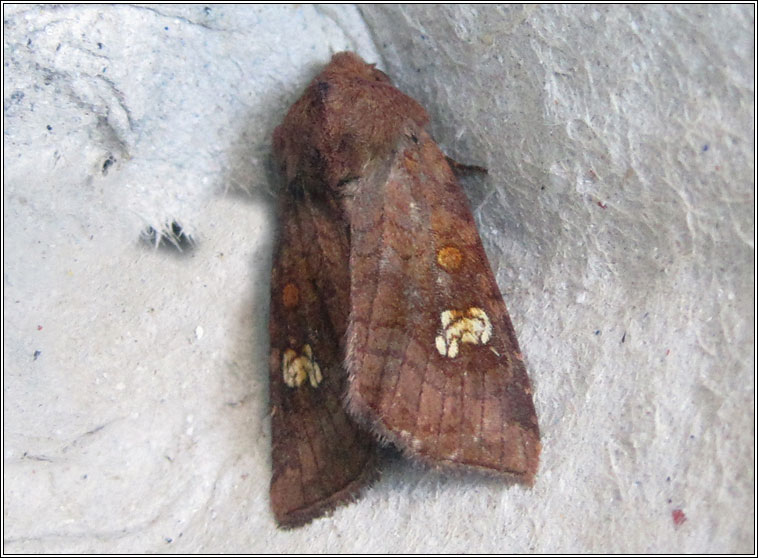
<point>290,295</point>
<point>449,258</point>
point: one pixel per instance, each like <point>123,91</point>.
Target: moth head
<point>352,65</point>
<point>348,117</point>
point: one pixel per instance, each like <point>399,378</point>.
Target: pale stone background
<point>618,214</point>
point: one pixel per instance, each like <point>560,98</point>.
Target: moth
<point>386,324</point>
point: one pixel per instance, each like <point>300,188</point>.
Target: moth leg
<point>461,169</point>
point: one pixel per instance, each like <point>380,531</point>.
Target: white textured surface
<point>619,206</point>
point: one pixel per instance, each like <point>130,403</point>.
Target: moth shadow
<point>399,472</point>
<point>248,181</point>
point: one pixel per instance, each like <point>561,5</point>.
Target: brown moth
<point>386,320</point>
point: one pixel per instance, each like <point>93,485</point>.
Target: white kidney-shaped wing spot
<point>462,326</point>
<point>296,368</point>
